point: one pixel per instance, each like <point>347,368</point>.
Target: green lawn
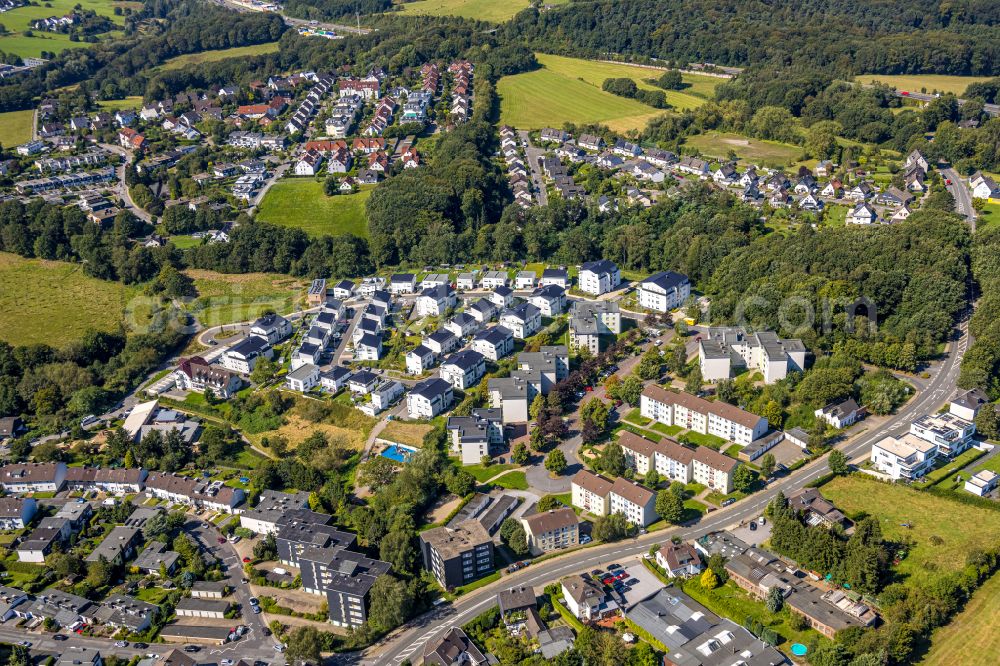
<point>301,203</point>
<point>927,516</point>
<point>15,128</point>
<point>711,441</point>
<point>227,299</point>
<point>219,54</point>
<point>993,464</point>
<point>512,481</point>
<point>54,302</point>
<point>184,242</point>
<point>566,90</point>
<point>971,638</point>
<point>483,474</point>
<point>699,88</point>
<point>18,20</point>
<point>664,429</point>
<point>989,215</point>
<point>924,82</point>
<point>634,416</point>
<point>719,144</point>
<point>118,104</point>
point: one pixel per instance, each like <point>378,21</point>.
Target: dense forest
<point>841,37</point>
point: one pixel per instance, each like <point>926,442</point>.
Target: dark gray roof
<point>666,280</point>
<point>430,388</point>
<point>465,359</point>
<point>599,266</point>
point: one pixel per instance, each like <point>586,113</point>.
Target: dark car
<point>612,567</point>
<point>192,648</point>
<point>60,637</point>
<point>140,646</point>
<point>632,581</point>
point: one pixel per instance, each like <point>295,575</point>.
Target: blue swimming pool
<point>399,453</point>
<point>799,650</point>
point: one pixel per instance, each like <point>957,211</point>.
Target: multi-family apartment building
<point>475,436</point>
<point>345,578</point>
<point>551,530</point>
<point>948,432</point>
<point>599,277</point>
<point>463,369</point>
<point>593,321</point>
<point>429,398</point>
<point>908,457</point>
<point>550,363</point>
<point>457,555</point>
<point>590,492</point>
<point>726,350</point>
<point>693,413</point>
<point>637,503</point>
<point>664,291</point>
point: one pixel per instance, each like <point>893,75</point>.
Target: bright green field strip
<point>119,104</point>
<point>301,203</point>
<point>924,82</point>
<point>496,11</point>
<point>595,73</point>
<point>543,98</point>
<point>226,299</point>
<point>221,54</point>
<point>971,639</point>
<point>54,302</point>
<point>15,127</point>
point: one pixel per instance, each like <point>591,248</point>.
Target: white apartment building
<point>949,433</point>
<point>435,301</point>
<point>419,359</point>
<point>550,300</point>
<point>694,413</point>
<point>513,395</point>
<point>303,378</point>
<point>548,366</point>
<point>590,492</point>
<point>583,596</point>
<point>599,277</point>
<point>523,320</point>
<point>463,369</point>
<point>729,349</point>
<point>551,530</point>
<point>429,398</point>
<point>494,343</point>
<point>635,502</point>
<point>679,463</point>
<point>907,457</point>
<point>664,291</point>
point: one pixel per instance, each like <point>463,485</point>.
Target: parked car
<point>612,567</point>
<point>192,648</point>
<point>729,501</point>
<point>60,637</point>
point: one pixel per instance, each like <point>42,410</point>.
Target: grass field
<point>15,127</point>
<point>119,104</point>
<point>971,639</point>
<point>301,203</point>
<point>297,429</point>
<point>720,144</point>
<point>989,215</point>
<point>401,432</point>
<point>18,20</point>
<point>927,515</point>
<point>699,88</point>
<point>53,302</point>
<point>923,82</point>
<point>220,54</point>
<point>559,92</point>
<point>496,11</point>
<point>227,299</point>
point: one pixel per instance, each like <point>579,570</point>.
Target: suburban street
<point>532,154</point>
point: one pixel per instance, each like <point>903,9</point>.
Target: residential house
<point>434,301</point>
<point>419,359</point>
<point>402,283</point>
<point>729,349</point>
<point>501,297</point>
<point>951,434</point>
<point>555,276</point>
<point>816,509</point>
<point>303,379</point>
<point>213,495</point>
<point>17,478</point>
<point>194,374</point>
<point>477,436</point>
<point>441,341</point>
<point>118,546</point>
<point>494,343</point>
<point>637,503</point>
<point>523,320</point>
<point>463,369</point>
<point>16,512</point>
<point>592,322</point>
<point>585,599</point>
<point>455,648</point>
<point>551,530</point>
<point>550,300</point>
<point>840,414</point>
<point>982,483</point>
<point>368,347</point>
<point>462,325</point>
<point>590,492</point>
<point>966,404</point>
<point>679,560</point>
<point>429,398</point>
<point>272,327</point>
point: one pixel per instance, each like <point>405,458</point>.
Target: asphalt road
<point>408,642</point>
<point>963,198</point>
